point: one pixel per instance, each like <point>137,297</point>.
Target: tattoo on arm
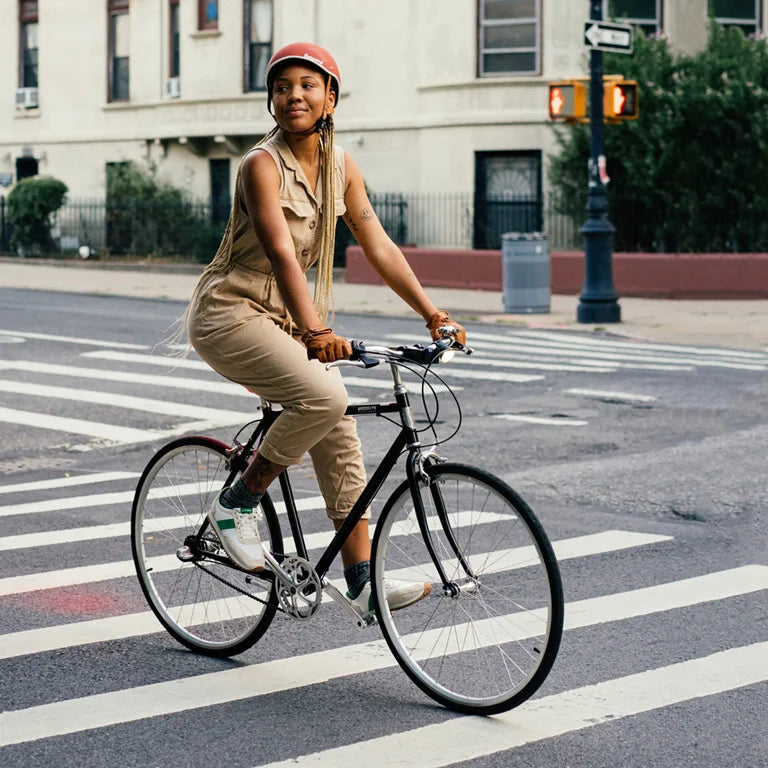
<point>351,223</point>
<point>366,214</point>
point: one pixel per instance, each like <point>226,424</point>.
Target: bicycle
<point>481,642</point>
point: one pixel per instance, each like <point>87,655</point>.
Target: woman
<point>253,321</point>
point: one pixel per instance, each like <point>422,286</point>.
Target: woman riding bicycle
<point>253,321</point>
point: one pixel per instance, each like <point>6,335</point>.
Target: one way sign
<point>608,37</point>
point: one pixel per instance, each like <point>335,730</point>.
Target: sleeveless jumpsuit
<point>239,324</point>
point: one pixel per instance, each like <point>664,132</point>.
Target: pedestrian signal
<point>620,100</point>
<point>567,100</point>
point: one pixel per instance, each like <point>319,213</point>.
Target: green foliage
<point>31,205</point>
<point>147,217</point>
<point>689,173</point>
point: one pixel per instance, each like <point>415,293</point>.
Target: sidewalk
<point>738,324</point>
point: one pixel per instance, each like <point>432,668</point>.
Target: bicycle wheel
<point>206,605</point>
<point>489,646</point>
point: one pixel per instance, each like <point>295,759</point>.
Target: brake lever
<point>358,354</point>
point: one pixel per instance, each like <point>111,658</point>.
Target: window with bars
<point>207,14</point>
<point>118,60</point>
<point>645,14</point>
<point>509,37</point>
<point>174,66</point>
<point>745,14</point>
<point>28,44</point>
<point>258,43</point>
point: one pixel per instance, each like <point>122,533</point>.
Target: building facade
<point>438,96</point>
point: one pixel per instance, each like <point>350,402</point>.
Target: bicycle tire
<point>491,647</point>
<point>207,614</point>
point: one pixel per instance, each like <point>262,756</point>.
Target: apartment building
<point>444,96</point>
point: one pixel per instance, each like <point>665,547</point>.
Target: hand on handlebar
<point>438,326</point>
<point>325,345</point>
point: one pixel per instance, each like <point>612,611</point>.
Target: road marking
<point>73,340</point>
<point>602,394</point>
<point>173,382</point>
<point>175,522</point>
<point>463,739</point>
<point>579,546</point>
<point>118,497</point>
<point>65,482</point>
<point>521,353</point>
<point>608,356</point>
<point>550,422</point>
<point>671,348</point>
<point>725,670</point>
<point>148,405</point>
<point>109,432</point>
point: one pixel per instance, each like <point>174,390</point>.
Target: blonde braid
<point>323,298</point>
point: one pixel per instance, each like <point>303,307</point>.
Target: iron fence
<point>191,230</point>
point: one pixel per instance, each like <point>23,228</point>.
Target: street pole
<point>598,302</point>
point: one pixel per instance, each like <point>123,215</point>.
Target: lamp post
<point>598,302</point>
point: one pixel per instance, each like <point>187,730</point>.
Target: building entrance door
<point>507,195</point>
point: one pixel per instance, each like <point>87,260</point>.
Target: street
<point>647,459</point>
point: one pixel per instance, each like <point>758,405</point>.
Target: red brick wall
<point>664,275</point>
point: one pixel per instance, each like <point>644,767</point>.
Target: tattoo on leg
<point>260,473</point>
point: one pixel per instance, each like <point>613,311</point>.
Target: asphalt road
<point>663,445</point>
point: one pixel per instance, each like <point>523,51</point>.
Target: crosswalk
<point>67,572</point>
<point>437,744</point>
<point>155,396</point>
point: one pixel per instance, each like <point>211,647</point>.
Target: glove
<point>441,318</point>
<point>325,345</point>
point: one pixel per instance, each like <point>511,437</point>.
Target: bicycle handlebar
<point>367,356</point>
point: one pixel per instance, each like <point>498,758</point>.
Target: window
<point>508,37</point>
<point>645,14</point>
<point>738,13</point>
<point>207,14</point>
<point>119,46</point>
<point>28,44</point>
<point>258,42</point>
<point>174,67</point>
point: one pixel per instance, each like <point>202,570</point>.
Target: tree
<point>688,175</point>
<point>31,205</point>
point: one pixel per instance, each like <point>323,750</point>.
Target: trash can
<point>525,272</point>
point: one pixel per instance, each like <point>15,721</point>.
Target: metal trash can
<point>525,272</point>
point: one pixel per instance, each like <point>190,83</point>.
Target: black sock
<point>238,496</point>
<point>357,576</point>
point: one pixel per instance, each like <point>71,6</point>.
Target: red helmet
<point>308,53</point>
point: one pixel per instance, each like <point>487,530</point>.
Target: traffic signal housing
<point>568,101</point>
<point>620,100</point>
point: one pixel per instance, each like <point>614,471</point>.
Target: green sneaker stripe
<point>225,525</point>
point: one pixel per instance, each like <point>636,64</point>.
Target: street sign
<point>608,37</point>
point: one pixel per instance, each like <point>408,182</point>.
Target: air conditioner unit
<point>25,98</point>
<point>172,88</point>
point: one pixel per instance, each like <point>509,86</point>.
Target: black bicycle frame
<point>408,439</point>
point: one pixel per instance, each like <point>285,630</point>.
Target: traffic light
<point>620,100</point>
<point>567,100</point>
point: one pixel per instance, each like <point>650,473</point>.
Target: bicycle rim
<point>490,647</point>
<point>204,604</point>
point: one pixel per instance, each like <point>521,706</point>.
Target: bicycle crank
<point>298,587</point>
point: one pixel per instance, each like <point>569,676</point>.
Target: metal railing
<point>188,230</point>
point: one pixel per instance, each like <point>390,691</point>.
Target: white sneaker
<point>239,535</point>
<point>400,594</point>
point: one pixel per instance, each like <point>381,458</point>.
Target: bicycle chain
<point>238,589</point>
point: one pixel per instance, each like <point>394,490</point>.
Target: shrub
<point>31,206</point>
<point>689,174</point>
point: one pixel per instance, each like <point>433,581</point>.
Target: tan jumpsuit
<point>239,324</point>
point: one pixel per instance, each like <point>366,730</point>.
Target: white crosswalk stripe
<point>542,718</point>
